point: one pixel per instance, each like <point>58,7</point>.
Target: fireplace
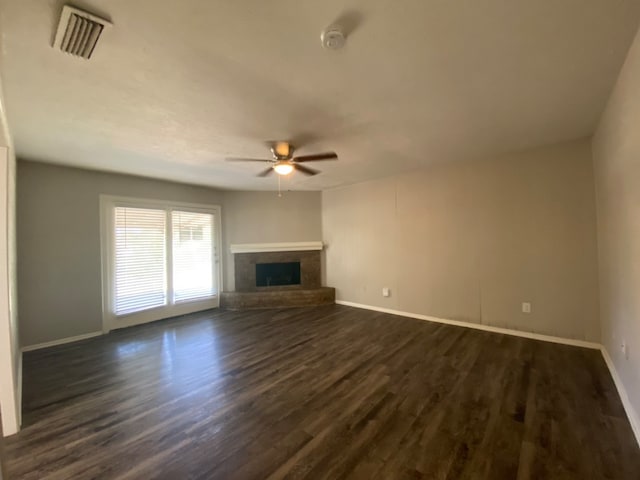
<point>257,271</point>
<point>277,275</point>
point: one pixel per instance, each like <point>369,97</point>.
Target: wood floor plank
<point>326,392</point>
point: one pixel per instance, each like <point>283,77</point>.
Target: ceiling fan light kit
<point>283,167</point>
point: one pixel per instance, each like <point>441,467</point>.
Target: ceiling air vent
<point>78,32</point>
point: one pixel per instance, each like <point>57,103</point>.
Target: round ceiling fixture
<point>283,167</point>
<point>333,38</point>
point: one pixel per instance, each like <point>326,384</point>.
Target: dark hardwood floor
<point>327,392</point>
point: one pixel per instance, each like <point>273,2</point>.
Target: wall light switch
<point>526,307</point>
<point>386,292</point>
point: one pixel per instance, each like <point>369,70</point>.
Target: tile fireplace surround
<point>249,296</point>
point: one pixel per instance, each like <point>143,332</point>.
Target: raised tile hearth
<point>277,275</point>
<point>278,299</point>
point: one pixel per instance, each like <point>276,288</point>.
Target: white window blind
<point>193,266</point>
<point>140,259</point>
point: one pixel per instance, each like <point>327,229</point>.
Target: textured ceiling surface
<point>175,86</point>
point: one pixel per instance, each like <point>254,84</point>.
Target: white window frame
<point>111,321</point>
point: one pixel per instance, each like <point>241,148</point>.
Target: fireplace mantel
<point>275,247</point>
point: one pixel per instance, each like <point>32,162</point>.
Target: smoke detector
<point>333,38</point>
<point>78,32</point>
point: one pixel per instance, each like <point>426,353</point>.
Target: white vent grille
<point>78,32</point>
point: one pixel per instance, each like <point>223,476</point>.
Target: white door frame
<point>10,358</point>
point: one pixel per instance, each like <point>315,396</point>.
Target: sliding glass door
<point>159,260</point>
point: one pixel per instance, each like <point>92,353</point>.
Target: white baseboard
<point>61,341</point>
<point>622,392</point>
<point>478,326</point>
<point>624,397</point>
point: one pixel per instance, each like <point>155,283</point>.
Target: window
<point>159,260</point>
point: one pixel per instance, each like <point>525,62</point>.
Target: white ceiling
<point>175,86</point>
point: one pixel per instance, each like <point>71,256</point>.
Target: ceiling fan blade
<point>305,170</point>
<point>245,160</point>
<point>266,172</point>
<point>317,157</point>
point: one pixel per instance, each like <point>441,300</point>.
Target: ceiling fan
<point>283,162</point>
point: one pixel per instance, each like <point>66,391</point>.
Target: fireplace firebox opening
<point>277,274</point>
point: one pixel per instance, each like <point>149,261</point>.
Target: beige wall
<point>263,217</point>
<point>59,279</point>
<point>616,152</point>
<point>472,241</point>
<point>59,238</point>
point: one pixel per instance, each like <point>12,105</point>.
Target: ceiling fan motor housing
<point>282,150</point>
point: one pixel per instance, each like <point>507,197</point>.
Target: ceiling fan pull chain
<point>279,191</point>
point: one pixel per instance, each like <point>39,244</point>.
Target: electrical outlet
<point>526,307</point>
<point>386,292</point>
<point>625,349</point>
